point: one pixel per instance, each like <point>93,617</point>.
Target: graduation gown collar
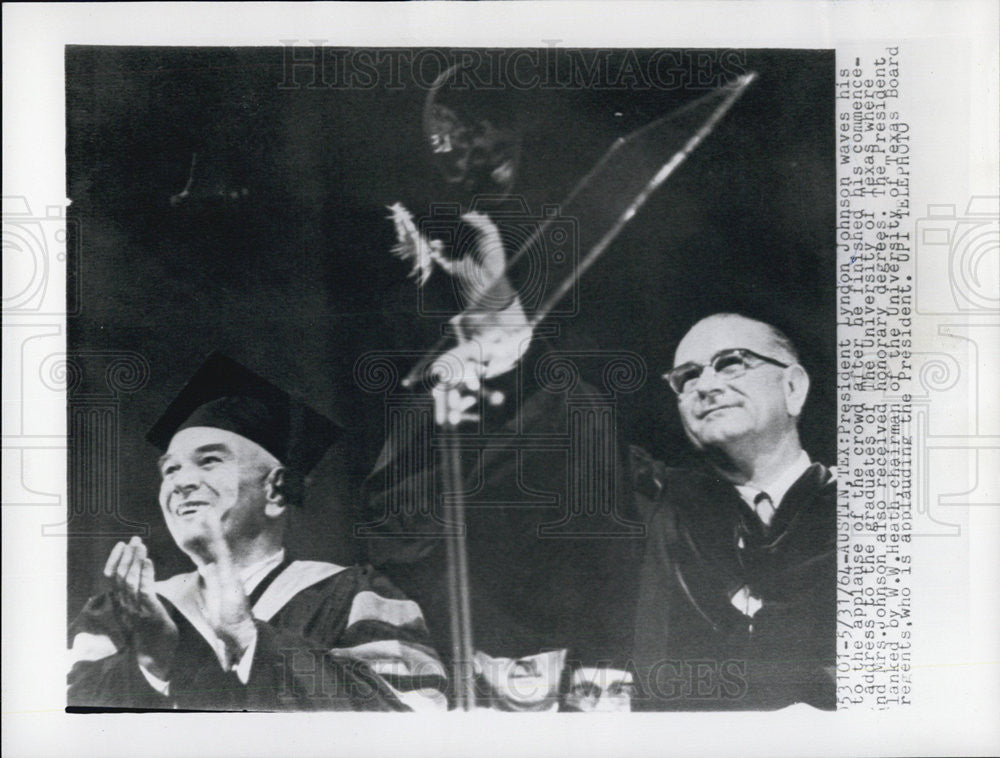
<point>184,592</point>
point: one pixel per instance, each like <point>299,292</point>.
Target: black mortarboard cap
<point>226,395</point>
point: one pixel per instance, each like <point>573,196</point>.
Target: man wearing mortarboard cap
<point>249,628</point>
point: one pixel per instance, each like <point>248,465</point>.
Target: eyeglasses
<point>726,364</point>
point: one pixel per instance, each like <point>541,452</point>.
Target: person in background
<point>543,604</point>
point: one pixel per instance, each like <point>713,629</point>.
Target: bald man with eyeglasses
<point>737,595</point>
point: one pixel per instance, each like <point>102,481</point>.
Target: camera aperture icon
<point>541,249</point>
<point>35,248</point>
<point>964,250</point>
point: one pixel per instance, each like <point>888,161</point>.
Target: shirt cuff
<point>243,666</point>
<point>507,341</point>
<point>160,685</point>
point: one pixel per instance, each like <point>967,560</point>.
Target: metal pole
<point>463,674</point>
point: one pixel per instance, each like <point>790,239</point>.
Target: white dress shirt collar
<point>779,486</point>
<point>251,576</point>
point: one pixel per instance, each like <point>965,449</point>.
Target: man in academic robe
<point>737,591</point>
<point>550,583</point>
<point>250,628</point>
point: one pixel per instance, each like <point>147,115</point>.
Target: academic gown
<point>694,649</point>
<point>543,575</point>
<point>329,638</point>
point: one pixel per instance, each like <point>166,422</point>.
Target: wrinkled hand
<point>226,606</point>
<point>153,630</point>
<point>492,335</point>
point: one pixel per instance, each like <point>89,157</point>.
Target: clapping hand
<point>154,632</point>
<point>226,606</point>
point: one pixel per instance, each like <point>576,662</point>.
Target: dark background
<point>294,278</point>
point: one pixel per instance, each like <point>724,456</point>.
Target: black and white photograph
<point>573,377</point>
<point>451,378</point>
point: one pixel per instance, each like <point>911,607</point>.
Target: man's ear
<point>796,388</point>
<point>274,492</point>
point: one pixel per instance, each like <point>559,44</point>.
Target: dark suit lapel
<point>803,532</point>
<point>707,564</point>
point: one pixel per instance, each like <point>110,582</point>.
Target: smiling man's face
<point>758,408</point>
<point>208,472</point>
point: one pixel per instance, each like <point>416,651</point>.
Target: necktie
<point>764,507</point>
